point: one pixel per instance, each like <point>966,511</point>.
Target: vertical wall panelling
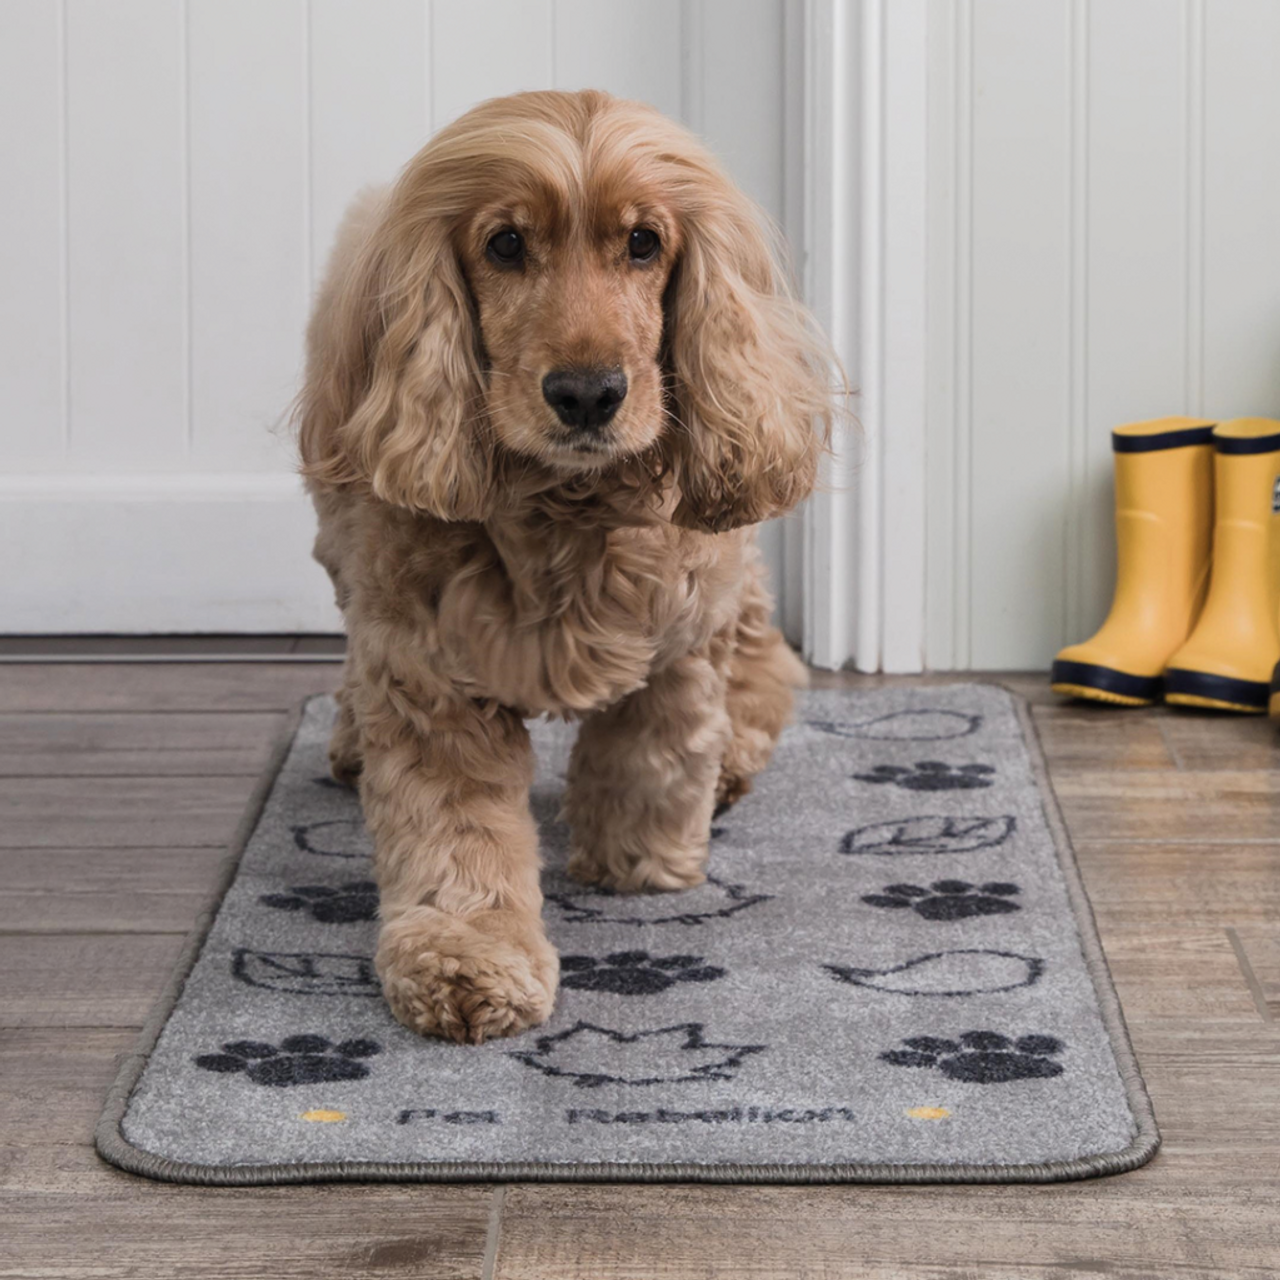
<point>1074,522</point>
<point>32,214</point>
<point>789,582</point>
<point>1021,207</point>
<point>480,51</point>
<point>1101,249</point>
<point>869,542</point>
<point>125,117</point>
<point>831,287</point>
<point>630,50</point>
<point>946,397</point>
<point>177,170</point>
<point>1193,244</point>
<point>1241,333</point>
<point>249,266</point>
<point>732,95</point>
<point>367,104</point>
<point>865,249</point>
<point>902,345</point>
<point>1128,248</point>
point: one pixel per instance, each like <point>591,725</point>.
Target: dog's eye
<point>643,244</point>
<point>506,248</point>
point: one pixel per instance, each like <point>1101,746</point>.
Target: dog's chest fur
<point>542,614</point>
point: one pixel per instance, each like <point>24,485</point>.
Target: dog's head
<point>568,281</point>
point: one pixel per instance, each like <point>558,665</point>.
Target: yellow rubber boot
<point>1164,521</point>
<point>1228,661</point>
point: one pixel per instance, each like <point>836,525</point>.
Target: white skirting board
<point>160,553</point>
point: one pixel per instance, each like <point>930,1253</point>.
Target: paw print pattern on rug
<point>349,903</point>
<point>306,973</point>
<point>982,1057</point>
<point>920,725</point>
<point>929,833</point>
<point>715,899</point>
<point>298,1060</point>
<point>334,838</point>
<point>969,971</point>
<point>591,1056</point>
<point>949,899</point>
<point>930,775</point>
<point>633,973</point>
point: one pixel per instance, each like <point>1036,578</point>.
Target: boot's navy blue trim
<point>1167,440</point>
<point>1200,684</point>
<point>1107,680</point>
<point>1275,679</point>
<point>1247,444</point>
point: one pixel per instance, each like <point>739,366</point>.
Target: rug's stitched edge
<point>114,1147</point>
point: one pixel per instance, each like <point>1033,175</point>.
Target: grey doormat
<point>891,974</point>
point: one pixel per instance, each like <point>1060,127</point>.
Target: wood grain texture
<point>1136,884</point>
<point>1179,842</point>
<point>137,744</point>
<point>1258,949</point>
<point>1170,806</point>
<point>197,686</point>
<point>83,979</point>
<point>95,813</point>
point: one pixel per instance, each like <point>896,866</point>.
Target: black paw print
<point>349,903</point>
<point>931,775</point>
<point>298,1060</point>
<point>982,1057</point>
<point>633,973</point>
<point>949,899</point>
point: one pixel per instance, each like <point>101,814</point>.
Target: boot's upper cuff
<point>1161,433</point>
<point>1247,435</point>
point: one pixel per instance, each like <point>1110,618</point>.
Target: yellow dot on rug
<point>324,1117</point>
<point>928,1113</point>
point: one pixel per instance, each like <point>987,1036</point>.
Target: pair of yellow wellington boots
<point>1196,614</point>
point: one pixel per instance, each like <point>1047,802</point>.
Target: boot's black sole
<point>1107,680</point>
<point>1224,691</point>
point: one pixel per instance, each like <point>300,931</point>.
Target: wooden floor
<point>120,783</point>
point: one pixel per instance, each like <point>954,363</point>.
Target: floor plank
<point>197,686</point>
<point>1084,739</point>
<point>122,890</point>
<point>1170,806</point>
<point>126,1231</point>
<point>95,813</point>
<point>1183,975</point>
<point>1196,884</point>
<point>1261,964</point>
<point>1120,1227</point>
<point>84,979</point>
<point>136,744</point>
<point>1209,742</point>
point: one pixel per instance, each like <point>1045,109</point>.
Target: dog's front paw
<point>467,980</point>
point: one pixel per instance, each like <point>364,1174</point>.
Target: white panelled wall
<point>1023,222</point>
<point>173,171</point>
<point>1103,247</point>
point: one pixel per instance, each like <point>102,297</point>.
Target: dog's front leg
<point>643,777</point>
<point>462,952</point>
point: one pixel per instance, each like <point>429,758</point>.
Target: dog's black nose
<point>585,398</point>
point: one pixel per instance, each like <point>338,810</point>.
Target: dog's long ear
<point>750,374</point>
<point>393,398</point>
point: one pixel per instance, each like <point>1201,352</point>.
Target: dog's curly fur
<point>493,564</point>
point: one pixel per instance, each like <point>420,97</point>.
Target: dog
<point>554,380</point>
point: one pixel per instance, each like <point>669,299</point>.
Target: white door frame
<point>862,237</point>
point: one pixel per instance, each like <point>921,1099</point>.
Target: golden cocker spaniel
<point>554,380</point>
